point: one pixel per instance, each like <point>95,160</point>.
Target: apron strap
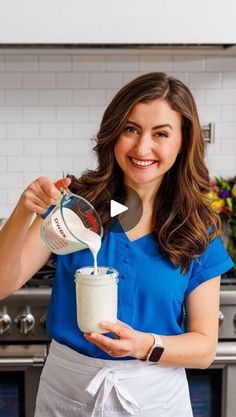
<point>102,383</point>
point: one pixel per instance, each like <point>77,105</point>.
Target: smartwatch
<point>156,349</point>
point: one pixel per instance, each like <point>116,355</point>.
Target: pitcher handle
<point>65,191</point>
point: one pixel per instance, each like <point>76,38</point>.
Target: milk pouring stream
<point>64,232</point>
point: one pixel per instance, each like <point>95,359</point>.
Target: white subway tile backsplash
<point>229,113</point>
<point>22,131</point>
<point>10,80</point>
<point>2,63</point>
<point>88,63</point>
<point>91,97</point>
<point>221,97</point>
<point>72,79</point>
<point>21,62</point>
<point>199,96</point>
<point>213,148</point>
<point>204,80</point>
<point>3,198</point>
<point>3,164</point>
<point>122,62</point>
<point>218,172</point>
<point>10,114</point>
<point>29,177</point>
<point>110,92</point>
<point>155,62</point>
<point>82,163</point>
<point>55,62</point>
<point>11,179</point>
<point>23,163</point>
<point>55,97</point>
<point>229,80</point>
<point>105,80</point>
<point>226,130</point>
<point>11,147</point>
<point>39,114</point>
<point>2,98</point>
<point>57,163</point>
<point>51,105</point>
<point>38,80</point>
<point>96,113</point>
<point>85,130</point>
<point>40,147</point>
<point>74,147</point>
<point>72,114</point>
<point>228,146</point>
<point>3,130</point>
<point>5,210</point>
<point>56,130</point>
<point>22,97</point>
<point>222,63</point>
<point>13,195</point>
<point>209,114</point>
<point>190,63</point>
<point>225,162</point>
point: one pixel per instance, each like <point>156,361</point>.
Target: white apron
<point>75,385</point>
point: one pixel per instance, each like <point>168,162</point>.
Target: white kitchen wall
<point>51,103</point>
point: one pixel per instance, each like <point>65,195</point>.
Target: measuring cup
<point>62,229</point>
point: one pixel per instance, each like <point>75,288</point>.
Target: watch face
<point>156,354</point>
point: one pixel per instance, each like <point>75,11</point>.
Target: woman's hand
<point>128,342</point>
<point>41,194</point>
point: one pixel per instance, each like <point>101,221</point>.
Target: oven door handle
<point>33,361</point>
<point>226,359</point>
<point>226,352</point>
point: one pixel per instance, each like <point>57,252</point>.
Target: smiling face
<point>149,144</point>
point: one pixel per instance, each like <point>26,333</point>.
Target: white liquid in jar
<point>96,298</point>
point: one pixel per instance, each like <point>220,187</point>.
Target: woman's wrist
<point>146,342</point>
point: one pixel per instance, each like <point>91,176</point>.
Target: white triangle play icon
<point>116,208</point>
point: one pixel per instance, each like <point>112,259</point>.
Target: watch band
<point>156,349</point>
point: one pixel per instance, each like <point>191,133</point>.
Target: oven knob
<point>221,318</point>
<point>25,322</point>
<point>5,322</point>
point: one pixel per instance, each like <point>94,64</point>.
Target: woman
<point>149,141</point>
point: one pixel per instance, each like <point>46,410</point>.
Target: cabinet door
<point>117,22</point>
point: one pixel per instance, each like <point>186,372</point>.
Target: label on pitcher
<point>57,236</point>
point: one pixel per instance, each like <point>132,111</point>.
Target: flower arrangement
<point>223,196</point>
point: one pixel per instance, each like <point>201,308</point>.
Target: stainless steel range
<point>213,390</point>
<point>24,345</point>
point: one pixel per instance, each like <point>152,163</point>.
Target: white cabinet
<point>117,22</point>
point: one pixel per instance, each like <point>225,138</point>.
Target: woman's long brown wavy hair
<point>182,212</point>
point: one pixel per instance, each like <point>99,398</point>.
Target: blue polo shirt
<point>151,290</point>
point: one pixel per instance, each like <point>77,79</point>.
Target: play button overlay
<point>116,208</point>
<point>129,214</point>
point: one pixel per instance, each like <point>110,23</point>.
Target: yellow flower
<point>234,191</point>
<point>229,202</point>
<point>212,195</point>
<point>218,205</point>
